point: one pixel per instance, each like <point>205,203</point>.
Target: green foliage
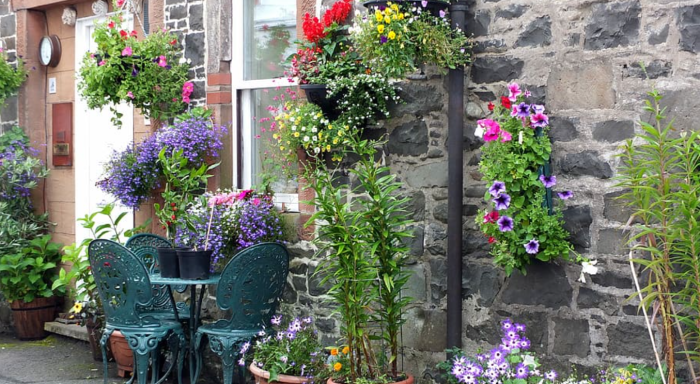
<point>363,259</point>
<point>30,273</point>
<point>148,73</point>
<point>659,174</point>
<point>182,186</point>
<point>11,77</point>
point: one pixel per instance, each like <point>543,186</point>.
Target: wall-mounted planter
<point>318,94</point>
<point>432,6</point>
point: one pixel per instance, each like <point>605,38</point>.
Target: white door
<point>95,140</point>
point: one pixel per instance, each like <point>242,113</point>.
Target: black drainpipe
<point>455,173</point>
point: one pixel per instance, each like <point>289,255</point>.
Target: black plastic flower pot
<point>432,6</point>
<point>168,261</point>
<point>318,94</point>
<point>194,264</point>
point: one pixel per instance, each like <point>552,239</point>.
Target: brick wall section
<point>8,38</point>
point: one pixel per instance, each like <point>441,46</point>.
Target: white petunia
<point>479,132</point>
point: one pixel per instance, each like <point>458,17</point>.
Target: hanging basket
<point>318,94</point>
<point>432,6</point>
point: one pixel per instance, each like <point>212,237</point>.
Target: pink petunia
<point>492,134</point>
<point>505,136</point>
<point>163,61</point>
<point>127,51</point>
<point>101,63</point>
<point>514,90</point>
<point>120,2</point>
<point>130,94</point>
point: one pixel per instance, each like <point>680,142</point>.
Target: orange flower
<point>334,351</point>
<point>346,350</point>
<point>337,367</point>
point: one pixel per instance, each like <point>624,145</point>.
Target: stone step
<point>69,330</point>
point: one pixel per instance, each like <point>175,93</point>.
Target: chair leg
<point>198,354</point>
<point>103,346</point>
<point>227,349</point>
<point>141,366</point>
<point>182,348</point>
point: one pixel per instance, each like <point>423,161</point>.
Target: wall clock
<point>50,50</point>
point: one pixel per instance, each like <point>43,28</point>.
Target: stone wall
<point>581,58</point>
<point>8,36</point>
<point>186,20</point>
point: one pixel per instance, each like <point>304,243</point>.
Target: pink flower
<point>130,94</point>
<point>256,201</point>
<point>120,2</point>
<point>162,61</point>
<point>127,51</point>
<point>101,63</point>
<point>514,90</point>
<point>492,134</point>
<point>505,136</point>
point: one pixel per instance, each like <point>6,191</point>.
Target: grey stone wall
<point>581,58</point>
<point>8,35</point>
<point>186,20</point>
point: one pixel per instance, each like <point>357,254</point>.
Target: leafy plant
<point>30,273</point>
<point>147,73</point>
<point>11,76</point>
<point>520,226</point>
<point>363,258</point>
<point>659,174</point>
<point>294,351</point>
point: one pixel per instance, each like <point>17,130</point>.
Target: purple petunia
<point>497,188</point>
<point>565,195</point>
<point>505,224</point>
<point>502,201</point>
<point>539,120</point>
<point>537,108</point>
<point>532,246</point>
<point>521,110</point>
<point>548,181</point>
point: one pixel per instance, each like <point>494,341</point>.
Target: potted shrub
<point>363,257</point>
<point>396,39</point>
<point>13,75</point>
<point>290,355</point>
<point>147,73</point>
<point>28,257</point>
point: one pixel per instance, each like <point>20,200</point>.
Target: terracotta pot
<point>408,380</point>
<point>123,354</point>
<point>261,377</point>
<point>29,318</point>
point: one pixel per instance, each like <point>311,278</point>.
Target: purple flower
<point>505,224</point>
<point>524,344</point>
<point>521,110</point>
<point>539,120</point>
<point>506,325</point>
<point>520,327</point>
<point>442,14</point>
<point>424,3</point>
<point>276,320</point>
<point>548,181</point>
<point>502,201</point>
<point>537,108</point>
<point>134,72</point>
<point>383,39</point>
<point>565,195</point>
<point>497,354</point>
<point>532,246</point>
<point>497,188</point>
<point>521,371</point>
<point>551,375</point>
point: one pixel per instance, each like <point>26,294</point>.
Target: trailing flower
<point>148,73</point>
<point>518,223</point>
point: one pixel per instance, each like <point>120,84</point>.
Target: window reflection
<point>269,31</point>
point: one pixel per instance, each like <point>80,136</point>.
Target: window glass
<point>269,32</point>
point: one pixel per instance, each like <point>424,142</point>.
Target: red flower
<point>133,33</point>
<point>505,102</point>
<point>491,240</point>
<point>123,34</point>
<point>313,29</point>
<point>338,13</point>
<point>111,24</point>
<point>491,106</point>
<point>173,42</point>
<point>491,217</point>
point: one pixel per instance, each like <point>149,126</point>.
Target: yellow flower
<point>346,350</point>
<point>340,133</point>
<point>281,147</point>
<point>387,20</point>
<point>296,134</point>
<point>380,28</point>
<point>387,11</point>
<point>77,307</point>
<point>401,17</point>
<point>395,7</point>
<point>337,367</point>
<point>335,141</point>
<point>379,17</point>
<point>274,136</point>
<point>392,35</point>
<point>328,149</point>
<point>320,135</point>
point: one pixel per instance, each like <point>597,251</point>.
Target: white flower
<point>520,137</point>
<point>588,267</point>
<point>294,127</point>
<point>529,360</point>
<point>182,60</point>
<point>306,138</point>
<point>479,132</point>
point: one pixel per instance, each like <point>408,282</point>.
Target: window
<point>264,32</point>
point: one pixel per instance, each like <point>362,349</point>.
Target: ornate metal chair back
<point>122,283</point>
<point>252,284</point>
<point>145,246</point>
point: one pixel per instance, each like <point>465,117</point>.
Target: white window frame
<point>241,92</point>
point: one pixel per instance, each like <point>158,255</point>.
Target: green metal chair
<point>145,246</point>
<point>251,286</point>
<point>124,289</point>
